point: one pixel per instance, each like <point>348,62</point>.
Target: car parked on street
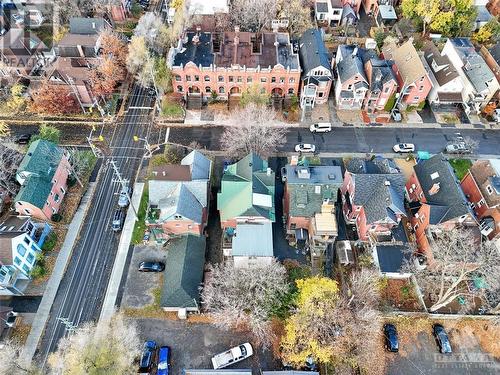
<point>457,148</point>
<point>391,338</point>
<point>305,147</point>
<point>151,267</point>
<point>118,220</point>
<point>163,361</point>
<point>442,339</point>
<point>404,147</point>
<point>148,357</point>
<point>125,193</point>
<point>321,127</point>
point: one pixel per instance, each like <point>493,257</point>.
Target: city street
<point>81,292</point>
<point>355,140</point>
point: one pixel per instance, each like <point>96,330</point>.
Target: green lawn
<point>461,166</point>
<point>171,109</point>
<point>140,225</point>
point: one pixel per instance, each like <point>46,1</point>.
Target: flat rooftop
<point>323,174</point>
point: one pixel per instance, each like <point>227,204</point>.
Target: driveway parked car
<point>164,361</point>
<point>391,338</point>
<point>404,147</point>
<point>147,357</point>
<point>458,148</point>
<point>151,267</point>
<point>125,193</point>
<point>442,339</point>
<point>305,147</point>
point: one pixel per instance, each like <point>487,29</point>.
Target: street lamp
<point>147,146</point>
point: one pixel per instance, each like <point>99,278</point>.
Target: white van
<point>321,127</point>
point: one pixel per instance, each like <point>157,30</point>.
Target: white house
<point>21,240</point>
<point>447,84</point>
<point>329,11</point>
<point>480,84</point>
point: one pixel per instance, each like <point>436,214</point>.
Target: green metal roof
<point>183,272</point>
<point>41,161</point>
<point>239,184</point>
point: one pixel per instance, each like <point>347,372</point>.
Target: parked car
<point>151,267</point>
<point>321,127</point>
<point>391,338</point>
<point>148,357</point>
<point>305,147</point>
<point>404,147</point>
<point>163,361</point>
<point>396,115</point>
<point>23,139</point>
<point>118,220</point>
<point>442,339</point>
<point>233,355</point>
<point>457,148</point>
<point>125,193</point>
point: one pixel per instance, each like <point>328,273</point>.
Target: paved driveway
<point>194,344</point>
<point>138,291</point>
<point>420,356</point>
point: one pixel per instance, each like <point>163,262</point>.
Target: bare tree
<point>253,128</point>
<point>138,54</point>
<point>155,33</point>
<point>459,258</point>
<point>253,15</point>
<point>245,297</point>
<point>472,144</point>
<point>9,161</point>
<point>298,14</point>
<point>111,349</point>
<point>11,361</point>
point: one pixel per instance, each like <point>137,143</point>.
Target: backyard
<point>460,166</point>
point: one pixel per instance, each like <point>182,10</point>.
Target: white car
<point>233,355</point>
<point>404,147</point>
<point>305,147</point>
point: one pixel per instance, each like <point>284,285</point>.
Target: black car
<point>442,339</point>
<point>148,357</point>
<point>151,266</point>
<point>391,338</point>
<point>23,139</point>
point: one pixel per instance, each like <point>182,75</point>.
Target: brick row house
<point>229,63</point>
<point>481,186</point>
<point>436,201</point>
<point>309,200</point>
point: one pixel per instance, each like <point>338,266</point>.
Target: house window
<point>21,250</point>
<point>221,90</point>
<point>54,210</point>
<point>17,261</point>
<point>320,95</point>
<point>206,78</point>
<point>263,79</point>
<point>386,90</point>
<point>421,195</point>
<point>208,89</point>
<point>415,227</point>
<point>290,91</point>
<point>273,79</point>
<point>480,203</point>
<point>416,99</point>
<point>62,190</point>
<point>422,218</point>
<point>291,80</point>
<point>27,211</point>
<point>190,227</point>
<point>220,78</point>
<point>30,258</point>
<point>196,78</point>
<point>349,87</point>
<point>177,217</point>
<point>358,208</point>
<point>231,79</point>
<point>178,78</point>
<point>55,181</point>
<point>27,240</point>
<point>179,88</point>
<point>249,79</point>
<point>489,189</point>
<point>239,79</point>
<point>26,268</point>
<point>56,198</point>
<point>282,79</point>
<point>188,78</point>
<point>421,88</point>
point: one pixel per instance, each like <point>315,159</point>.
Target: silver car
<point>305,147</point>
<point>123,199</point>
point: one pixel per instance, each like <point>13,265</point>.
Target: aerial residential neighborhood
<point>254,187</point>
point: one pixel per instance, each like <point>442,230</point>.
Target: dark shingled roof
<point>183,272</point>
<point>378,165</point>
<point>86,26</point>
<point>392,257</point>
<point>313,52</point>
<point>441,66</point>
<point>200,53</point>
<point>381,74</point>
<point>350,66</point>
<point>449,202</point>
<point>322,7</point>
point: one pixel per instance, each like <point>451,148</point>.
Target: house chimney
<point>378,75</point>
<point>434,189</point>
<point>269,171</point>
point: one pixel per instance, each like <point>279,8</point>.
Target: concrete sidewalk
<point>108,306</point>
<point>43,312</point>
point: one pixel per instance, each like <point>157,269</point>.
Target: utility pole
<point>70,326</point>
<point>124,184</point>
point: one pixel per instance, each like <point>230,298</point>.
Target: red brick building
<point>231,62</point>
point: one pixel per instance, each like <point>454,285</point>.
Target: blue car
<point>391,338</point>
<point>147,357</point>
<point>442,339</point>
<point>164,361</point>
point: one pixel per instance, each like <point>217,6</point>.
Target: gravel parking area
<point>419,355</point>
<point>139,287</point>
<point>194,344</point>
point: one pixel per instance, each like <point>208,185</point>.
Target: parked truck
<point>233,355</point>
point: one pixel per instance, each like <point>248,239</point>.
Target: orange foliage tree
<point>54,99</point>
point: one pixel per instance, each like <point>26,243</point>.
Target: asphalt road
<point>82,290</point>
<point>351,139</point>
